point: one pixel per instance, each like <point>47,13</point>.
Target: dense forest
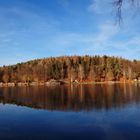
<point>72,68</point>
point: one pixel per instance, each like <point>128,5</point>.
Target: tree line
<point>71,68</point>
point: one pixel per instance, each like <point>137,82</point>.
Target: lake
<point>84,112</point>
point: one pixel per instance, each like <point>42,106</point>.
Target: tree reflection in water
<point>73,97</point>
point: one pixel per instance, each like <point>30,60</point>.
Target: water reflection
<point>73,98</point>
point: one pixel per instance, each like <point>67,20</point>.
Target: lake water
<point>84,112</point>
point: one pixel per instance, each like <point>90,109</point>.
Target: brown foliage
<point>80,68</point>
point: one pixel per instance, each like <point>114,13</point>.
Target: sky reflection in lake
<point>70,112</point>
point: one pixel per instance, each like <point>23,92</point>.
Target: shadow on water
<point>72,98</point>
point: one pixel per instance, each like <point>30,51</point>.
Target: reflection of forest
<point>75,98</point>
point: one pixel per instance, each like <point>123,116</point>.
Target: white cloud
<point>100,6</point>
<point>106,32</point>
<point>107,40</point>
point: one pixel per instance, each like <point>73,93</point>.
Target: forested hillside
<point>71,68</point>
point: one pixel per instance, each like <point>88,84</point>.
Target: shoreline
<point>58,83</point>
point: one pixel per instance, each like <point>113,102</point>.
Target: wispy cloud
<point>106,32</point>
<point>102,42</point>
<point>101,6</point>
<point>33,29</point>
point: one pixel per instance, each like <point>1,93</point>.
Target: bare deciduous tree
<point>119,4</point>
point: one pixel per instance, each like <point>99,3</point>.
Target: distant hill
<point>72,68</point>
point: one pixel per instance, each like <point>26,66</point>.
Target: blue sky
<point>31,29</point>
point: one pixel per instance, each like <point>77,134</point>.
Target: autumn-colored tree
<point>92,68</point>
<point>6,78</point>
<point>109,76</point>
<point>81,72</point>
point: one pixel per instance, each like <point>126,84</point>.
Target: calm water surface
<point>84,112</point>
